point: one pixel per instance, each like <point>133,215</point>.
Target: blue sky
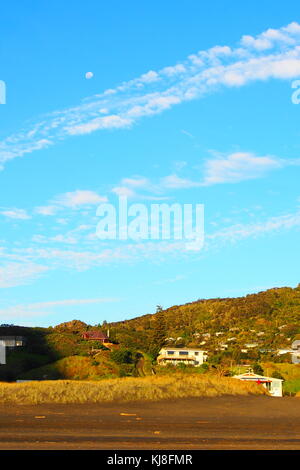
<point>189,102</point>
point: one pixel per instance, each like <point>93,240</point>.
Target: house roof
<point>252,376</point>
<point>94,335</point>
<point>181,349</point>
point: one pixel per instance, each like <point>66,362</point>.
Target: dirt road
<point>202,423</point>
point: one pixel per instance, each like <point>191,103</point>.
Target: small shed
<point>274,386</point>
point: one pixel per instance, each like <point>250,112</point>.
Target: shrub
<point>122,356</point>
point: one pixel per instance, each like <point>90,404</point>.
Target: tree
<point>158,336</point>
<point>122,356</point>
<point>257,369</point>
<point>277,375</point>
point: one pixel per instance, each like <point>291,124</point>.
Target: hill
<point>233,330</point>
<point>268,319</point>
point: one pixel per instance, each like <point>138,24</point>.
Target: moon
<point>89,75</point>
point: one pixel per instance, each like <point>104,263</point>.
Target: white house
<point>190,356</point>
<point>294,351</point>
<point>274,386</point>
<point>13,341</point>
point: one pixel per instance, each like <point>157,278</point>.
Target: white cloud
<point>15,274</point>
<point>46,308</point>
<point>46,210</point>
<point>123,191</point>
<point>273,54</point>
<point>176,182</point>
<point>15,214</point>
<point>79,198</point>
<point>237,167</point>
<point>107,122</point>
<point>273,224</point>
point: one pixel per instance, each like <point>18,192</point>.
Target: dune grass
<point>125,389</point>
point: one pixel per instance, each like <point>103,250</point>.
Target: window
<point>183,353</point>
<point>170,352</point>
<point>196,353</point>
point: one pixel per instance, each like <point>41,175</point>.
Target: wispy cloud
<point>15,274</point>
<point>46,308</point>
<point>32,261</point>
<point>273,54</point>
<point>238,232</point>
<point>219,169</point>
<point>15,214</point>
<point>238,167</point>
<point>71,200</point>
<point>79,198</point>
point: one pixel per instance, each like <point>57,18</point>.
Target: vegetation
<point>126,389</point>
<point>268,321</point>
<point>234,331</point>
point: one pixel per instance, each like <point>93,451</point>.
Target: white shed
<point>274,386</point>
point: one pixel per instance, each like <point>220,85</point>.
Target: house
<point>190,356</point>
<point>296,351</point>
<point>296,345</point>
<point>274,386</point>
<point>284,351</point>
<point>12,341</point>
<point>95,336</point>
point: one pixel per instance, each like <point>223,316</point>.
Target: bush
<point>204,367</point>
<point>277,375</point>
<point>122,356</point>
<point>257,369</point>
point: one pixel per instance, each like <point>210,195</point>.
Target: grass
<point>76,367</point>
<point>125,389</point>
<point>288,371</point>
<point>291,386</point>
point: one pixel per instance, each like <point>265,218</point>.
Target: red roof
<point>95,335</point>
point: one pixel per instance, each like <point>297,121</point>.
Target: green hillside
<point>266,321</point>
<point>270,319</point>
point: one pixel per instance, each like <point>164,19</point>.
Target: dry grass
<point>126,389</point>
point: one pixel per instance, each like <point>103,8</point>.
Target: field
<point>151,388</point>
<point>225,422</point>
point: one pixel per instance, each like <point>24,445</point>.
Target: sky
<point>162,103</point>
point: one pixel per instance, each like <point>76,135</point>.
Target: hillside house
<point>12,341</point>
<point>274,386</point>
<point>296,345</point>
<point>189,356</point>
<point>95,336</point>
<point>296,352</point>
